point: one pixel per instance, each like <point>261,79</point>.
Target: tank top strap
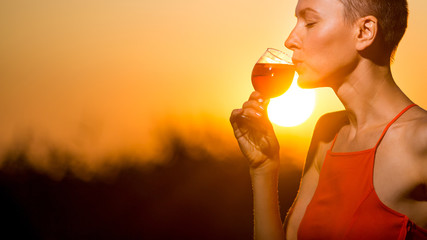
<point>333,142</point>
<point>392,121</point>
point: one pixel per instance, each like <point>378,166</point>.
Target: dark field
<point>190,196</point>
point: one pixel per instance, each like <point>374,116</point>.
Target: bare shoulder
<point>413,139</point>
<point>329,124</point>
<point>325,130</point>
<point>416,132</point>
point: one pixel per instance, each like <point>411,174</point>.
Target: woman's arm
<point>267,221</point>
<point>259,145</point>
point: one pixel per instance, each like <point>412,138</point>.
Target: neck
<point>370,96</point>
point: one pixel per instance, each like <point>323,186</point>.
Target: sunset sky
<point>101,78</point>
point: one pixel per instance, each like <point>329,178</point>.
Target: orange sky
<point>101,77</point>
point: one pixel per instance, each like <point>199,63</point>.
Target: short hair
<point>392,18</point>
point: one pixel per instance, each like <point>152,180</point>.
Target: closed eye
<point>310,24</point>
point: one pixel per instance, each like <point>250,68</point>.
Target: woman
<point>365,174</point>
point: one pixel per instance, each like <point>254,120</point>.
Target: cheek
<point>328,48</point>
<point>329,55</point>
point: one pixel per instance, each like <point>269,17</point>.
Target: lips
<point>296,61</point>
<point>298,64</point>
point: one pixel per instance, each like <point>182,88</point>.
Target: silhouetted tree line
<point>191,195</point>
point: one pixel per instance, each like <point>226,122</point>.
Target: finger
<point>251,103</point>
<point>244,117</point>
<point>253,110</point>
<point>236,113</point>
<point>241,123</point>
<point>252,113</point>
<point>255,96</point>
<point>255,105</point>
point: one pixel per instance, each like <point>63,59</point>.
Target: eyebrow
<point>303,12</point>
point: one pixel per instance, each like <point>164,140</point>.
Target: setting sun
<point>293,107</point>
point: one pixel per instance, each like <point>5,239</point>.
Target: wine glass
<point>273,73</point>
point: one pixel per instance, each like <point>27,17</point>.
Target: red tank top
<point>346,206</point>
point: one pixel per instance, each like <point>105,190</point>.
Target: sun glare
<point>293,107</point>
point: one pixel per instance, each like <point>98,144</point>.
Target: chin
<point>307,84</point>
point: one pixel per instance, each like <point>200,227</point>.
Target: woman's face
<point>323,43</point>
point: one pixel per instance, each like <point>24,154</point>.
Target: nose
<point>293,42</point>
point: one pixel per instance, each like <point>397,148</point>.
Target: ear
<point>367,29</point>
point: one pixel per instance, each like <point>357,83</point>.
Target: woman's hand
<point>255,134</point>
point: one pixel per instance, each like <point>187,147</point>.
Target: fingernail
<point>260,100</point>
<point>258,114</point>
<point>262,108</point>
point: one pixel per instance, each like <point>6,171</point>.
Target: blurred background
<point>114,115</point>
